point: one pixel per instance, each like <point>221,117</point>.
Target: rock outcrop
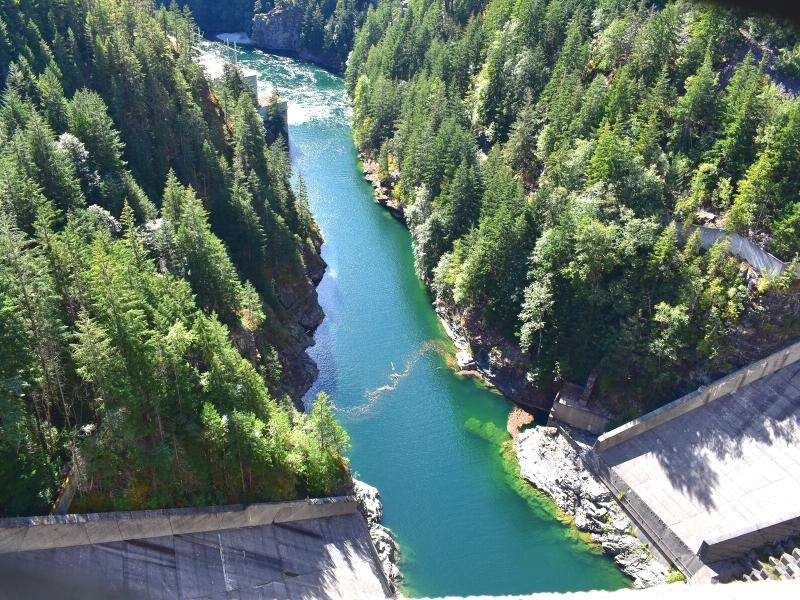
<point>301,316</point>
<point>489,355</point>
<point>383,193</point>
<point>279,31</point>
<point>549,462</point>
<point>369,503</point>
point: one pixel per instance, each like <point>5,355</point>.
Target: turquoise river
<point>431,441</point>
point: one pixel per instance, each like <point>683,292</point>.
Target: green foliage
<point>543,144</point>
<point>675,577</point>
<point>134,349</point>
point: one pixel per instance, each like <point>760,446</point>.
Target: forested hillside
<point>154,265</point>
<point>219,16</point>
<point>547,153</point>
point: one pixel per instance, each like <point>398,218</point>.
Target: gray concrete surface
<point>319,558</point>
<point>743,248</point>
<point>54,531</point>
<point>722,469</point>
<point>704,395</point>
<point>570,408</point>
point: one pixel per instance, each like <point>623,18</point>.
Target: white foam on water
<point>235,38</point>
<point>373,397</point>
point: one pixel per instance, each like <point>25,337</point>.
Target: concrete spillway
<point>306,549</point>
<point>716,473</point>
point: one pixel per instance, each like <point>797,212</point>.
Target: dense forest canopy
<point>147,236</point>
<point>549,153</point>
<point>329,26</point>
<point>220,16</point>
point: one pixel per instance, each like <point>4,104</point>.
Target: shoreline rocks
<point>481,352</point>
<point>300,300</point>
<point>546,460</point>
<point>487,355</point>
<point>382,194</point>
<point>369,503</point>
<point>550,463</point>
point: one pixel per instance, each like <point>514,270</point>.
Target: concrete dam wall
<point>318,548</point>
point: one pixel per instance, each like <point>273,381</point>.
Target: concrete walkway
<point>326,558</point>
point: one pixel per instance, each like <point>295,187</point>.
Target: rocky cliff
<point>549,462</point>
<point>290,325</point>
<point>301,302</point>
<point>279,31</point>
<point>370,505</point>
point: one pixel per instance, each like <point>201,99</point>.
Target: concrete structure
<point>758,258</point>
<point>272,109</point>
<point>306,549</point>
<point>780,561</point>
<point>715,473</point>
<point>570,408</point>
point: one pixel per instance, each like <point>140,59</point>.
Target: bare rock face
<point>554,467</point>
<point>369,503</point>
<point>279,31</point>
<point>488,354</point>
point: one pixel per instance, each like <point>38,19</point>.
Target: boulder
<point>279,29</point>
<point>369,501</point>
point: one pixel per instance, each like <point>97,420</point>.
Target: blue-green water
<point>429,440</point>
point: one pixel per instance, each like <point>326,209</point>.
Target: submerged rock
<point>369,503</point>
<point>553,466</point>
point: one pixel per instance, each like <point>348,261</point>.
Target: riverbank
<point>482,352</point>
<point>382,194</point>
<point>300,300</point>
<point>290,324</point>
<point>546,460</point>
<point>430,441</point>
<point>550,463</point>
<point>383,539</point>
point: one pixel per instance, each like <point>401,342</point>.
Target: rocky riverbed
<point>550,463</point>
<point>369,503</point>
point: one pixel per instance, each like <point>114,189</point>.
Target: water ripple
<point>373,397</point>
